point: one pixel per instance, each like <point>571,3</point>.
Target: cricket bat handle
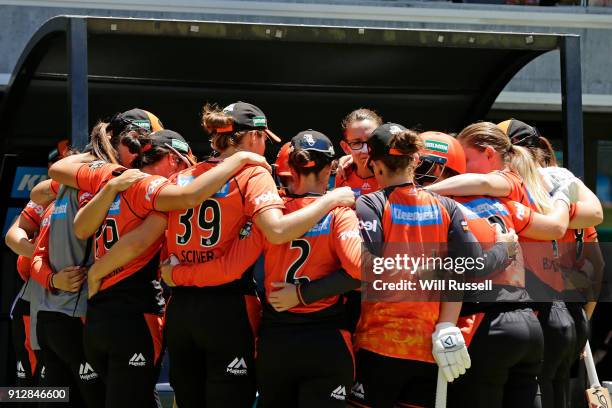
<point>590,366</point>
<point>441,390</point>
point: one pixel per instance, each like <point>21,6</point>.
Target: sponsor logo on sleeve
<point>184,180</point>
<point>267,197</point>
<point>38,209</point>
<point>323,227</point>
<point>115,207</point>
<point>152,188</point>
<point>351,234</point>
<point>224,191</point>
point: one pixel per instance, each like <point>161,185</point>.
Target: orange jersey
<point>481,213</point>
<point>200,234</point>
<point>571,246</point>
<point>359,185</point>
<point>403,214</point>
<point>33,213</point>
<point>333,243</point>
<point>127,212</point>
<point>539,255</point>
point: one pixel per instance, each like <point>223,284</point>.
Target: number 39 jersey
<point>126,213</point>
<point>200,234</point>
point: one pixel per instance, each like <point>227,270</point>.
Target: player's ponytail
<point>216,123</point>
<point>522,162</point>
<point>101,146</point>
<point>407,143</point>
<point>308,161</point>
<point>147,152</point>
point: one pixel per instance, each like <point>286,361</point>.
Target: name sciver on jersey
<point>193,256</point>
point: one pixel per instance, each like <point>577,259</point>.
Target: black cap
<point>522,134</point>
<point>380,140</point>
<point>174,141</point>
<point>247,117</point>
<point>313,141</point>
<point>134,118</point>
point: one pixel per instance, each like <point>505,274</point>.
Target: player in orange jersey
<point>123,330</point>
<point>510,171</point>
<point>210,331</point>
<point>570,250</point>
<point>357,127</point>
<point>354,172</point>
<point>398,342</point>
<point>302,307</point>
<point>503,317</point>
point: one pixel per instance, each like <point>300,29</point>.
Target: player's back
<point>331,244</point>
<point>202,233</point>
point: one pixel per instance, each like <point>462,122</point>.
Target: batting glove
<point>449,351</point>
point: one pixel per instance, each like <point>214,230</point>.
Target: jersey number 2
<point>304,247</point>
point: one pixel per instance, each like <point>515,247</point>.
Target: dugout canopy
<point>76,70</point>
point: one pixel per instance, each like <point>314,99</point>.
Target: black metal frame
<point>77,29</point>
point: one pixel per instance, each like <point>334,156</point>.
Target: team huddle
<point>258,279</point>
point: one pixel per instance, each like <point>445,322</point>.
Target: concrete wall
<point>20,19</point>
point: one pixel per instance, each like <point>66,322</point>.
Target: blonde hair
<point>486,134</point>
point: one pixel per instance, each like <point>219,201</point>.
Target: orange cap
<point>282,160</point>
<point>441,145</point>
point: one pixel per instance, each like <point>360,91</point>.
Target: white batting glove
<point>449,351</point>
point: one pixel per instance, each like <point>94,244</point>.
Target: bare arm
<point>473,184</point>
<point>588,209</point>
<point>91,216</point>
<point>42,193</point>
<point>449,312</point>
<point>548,226</point>
<point>279,228</point>
<point>128,248</point>
<point>18,237</point>
<point>65,170</point>
<point>206,184</point>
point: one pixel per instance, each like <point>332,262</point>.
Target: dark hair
<point>359,115</point>
<point>407,142</point>
<point>139,141</point>
<point>308,161</point>
<point>542,151</point>
<point>213,118</point>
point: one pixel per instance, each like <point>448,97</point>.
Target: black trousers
<point>65,364</point>
<point>305,367</point>
<point>386,382</point>
<point>559,347</point>
<point>211,344</point>
<point>506,353</point>
<point>126,351</point>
